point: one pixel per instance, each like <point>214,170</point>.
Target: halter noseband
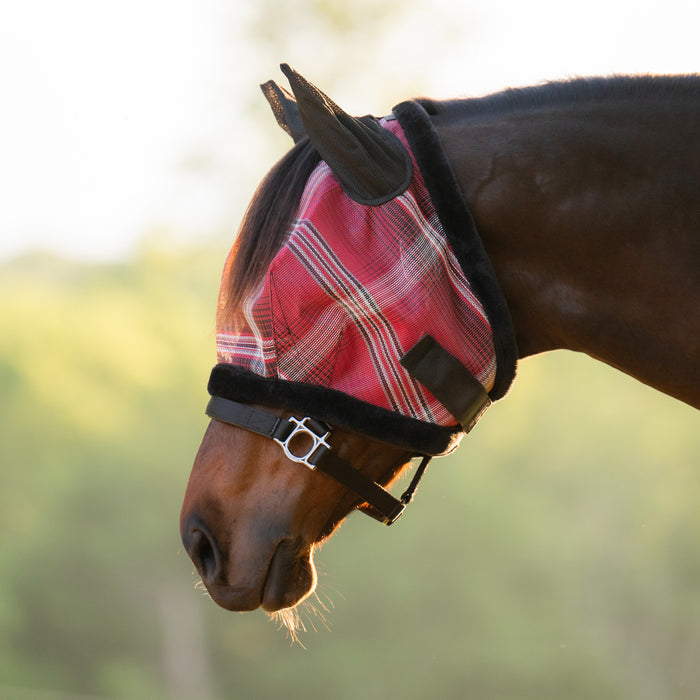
<point>320,455</point>
<point>428,362</point>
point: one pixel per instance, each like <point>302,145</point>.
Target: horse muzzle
<point>268,572</point>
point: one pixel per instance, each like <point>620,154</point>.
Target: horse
<point>560,216</point>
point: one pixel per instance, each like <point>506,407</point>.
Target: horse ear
<point>285,109</point>
<point>370,162</point>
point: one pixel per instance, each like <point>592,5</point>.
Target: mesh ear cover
<point>285,109</point>
<point>371,164</point>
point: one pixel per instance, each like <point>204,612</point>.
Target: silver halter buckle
<point>314,453</point>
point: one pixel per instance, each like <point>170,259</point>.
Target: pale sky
<point>120,118</point>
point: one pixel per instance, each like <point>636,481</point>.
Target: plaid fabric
<point>353,288</point>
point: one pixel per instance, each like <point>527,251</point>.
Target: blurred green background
<point>555,555</point>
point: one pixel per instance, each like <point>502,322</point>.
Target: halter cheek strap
<point>320,455</point>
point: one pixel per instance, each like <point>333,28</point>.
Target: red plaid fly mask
<point>367,317</point>
<point>352,290</point>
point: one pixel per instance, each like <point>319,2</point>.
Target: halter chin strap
<point>288,432</point>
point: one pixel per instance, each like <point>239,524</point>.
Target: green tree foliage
<point>554,555</point>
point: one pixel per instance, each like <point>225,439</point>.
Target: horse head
<point>349,341</point>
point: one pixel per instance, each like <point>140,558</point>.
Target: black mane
<point>266,222</point>
<point>578,91</point>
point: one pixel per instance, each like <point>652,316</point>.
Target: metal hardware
<point>317,449</point>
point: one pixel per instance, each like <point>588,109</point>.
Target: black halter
<point>441,373</point>
<point>287,431</point>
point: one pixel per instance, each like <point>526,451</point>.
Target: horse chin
<point>291,577</point>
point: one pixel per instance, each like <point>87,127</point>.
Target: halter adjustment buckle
<point>315,431</point>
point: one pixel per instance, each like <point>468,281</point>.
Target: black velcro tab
<point>448,380</point>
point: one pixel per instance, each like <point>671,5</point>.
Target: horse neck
<point>589,217</point>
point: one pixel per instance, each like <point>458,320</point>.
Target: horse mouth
<point>291,576</point>
<point>274,582</point>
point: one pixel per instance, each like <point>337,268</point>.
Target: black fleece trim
<point>335,408</point>
<point>460,230</point>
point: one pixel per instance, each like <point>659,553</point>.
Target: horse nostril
<point>202,548</point>
<point>204,555</point>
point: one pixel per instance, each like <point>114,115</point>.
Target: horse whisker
<point>308,615</point>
